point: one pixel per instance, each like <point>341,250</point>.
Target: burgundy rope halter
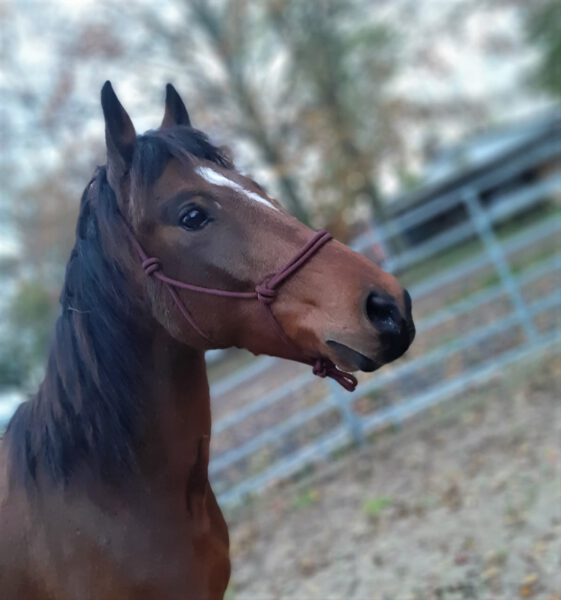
<point>265,293</point>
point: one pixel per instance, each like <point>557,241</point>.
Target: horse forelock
<point>155,148</point>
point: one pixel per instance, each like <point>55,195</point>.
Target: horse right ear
<point>120,136</point>
<point>175,112</point>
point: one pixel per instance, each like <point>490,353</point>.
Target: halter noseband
<point>265,293</point>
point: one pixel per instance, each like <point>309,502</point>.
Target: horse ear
<point>175,113</point>
<point>120,136</point>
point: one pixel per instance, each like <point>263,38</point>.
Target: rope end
<point>323,367</point>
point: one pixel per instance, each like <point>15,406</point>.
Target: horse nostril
<point>383,313</point>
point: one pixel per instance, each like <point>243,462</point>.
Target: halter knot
<point>323,367</point>
<point>265,294</point>
<point>320,368</point>
<point>151,265</point>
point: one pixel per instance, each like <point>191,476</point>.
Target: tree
<point>230,88</point>
<point>544,32</point>
<point>26,333</point>
<point>336,59</point>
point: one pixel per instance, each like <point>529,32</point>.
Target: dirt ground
<point>463,503</point>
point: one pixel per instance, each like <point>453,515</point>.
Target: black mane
<point>87,410</point>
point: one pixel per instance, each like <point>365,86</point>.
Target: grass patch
<point>373,507</point>
<point>306,498</point>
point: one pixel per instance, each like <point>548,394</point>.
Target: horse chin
<point>349,359</point>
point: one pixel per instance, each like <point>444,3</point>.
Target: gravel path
<point>464,503</point>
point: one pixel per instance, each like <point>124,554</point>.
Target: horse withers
<point>104,493</point>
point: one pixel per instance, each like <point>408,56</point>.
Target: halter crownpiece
<point>265,293</point>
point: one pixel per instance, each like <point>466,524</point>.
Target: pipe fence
<point>513,276</point>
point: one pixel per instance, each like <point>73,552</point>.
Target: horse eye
<point>195,218</point>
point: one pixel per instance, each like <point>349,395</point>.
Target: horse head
<point>222,246</point>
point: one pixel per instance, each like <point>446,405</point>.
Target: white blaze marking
<point>216,178</point>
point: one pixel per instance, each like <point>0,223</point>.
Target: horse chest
<point>163,556</point>
<point>82,552</point>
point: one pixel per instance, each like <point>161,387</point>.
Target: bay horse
<point>104,493</point>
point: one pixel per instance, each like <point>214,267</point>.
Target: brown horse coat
<point>104,493</point>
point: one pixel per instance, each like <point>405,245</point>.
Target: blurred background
<point>424,133</point>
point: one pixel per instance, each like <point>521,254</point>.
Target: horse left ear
<point>120,136</point>
<point>175,113</point>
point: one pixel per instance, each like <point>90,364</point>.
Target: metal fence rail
<point>341,436</point>
<point>528,237</point>
<point>386,416</point>
<point>519,242</point>
<point>508,287</point>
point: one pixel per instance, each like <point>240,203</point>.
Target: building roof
<point>486,159</point>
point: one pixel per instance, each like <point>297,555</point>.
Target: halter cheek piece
<point>265,293</point>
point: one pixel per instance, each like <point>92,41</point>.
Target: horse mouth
<point>350,359</point>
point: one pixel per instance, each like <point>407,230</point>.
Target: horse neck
<point>177,398</point>
<point>120,395</point>
<point>100,414</point>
